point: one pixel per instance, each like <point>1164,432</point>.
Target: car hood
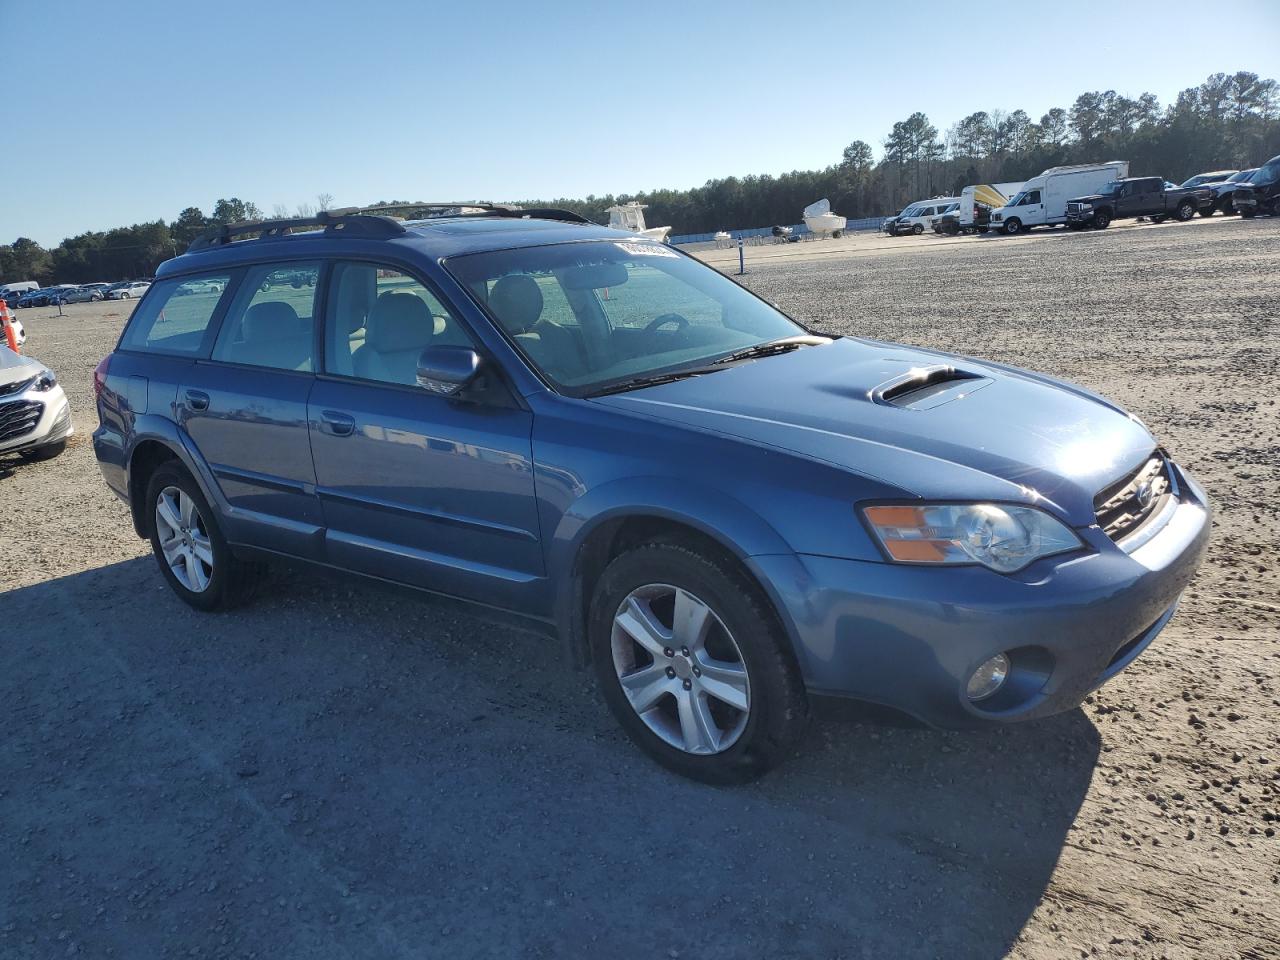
<point>1091,198</point>
<point>14,368</point>
<point>1000,434</point>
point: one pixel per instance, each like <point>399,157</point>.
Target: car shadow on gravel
<point>338,770</point>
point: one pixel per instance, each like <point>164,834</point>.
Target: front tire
<point>193,555</point>
<point>1101,220</point>
<point>1012,226</point>
<point>1186,210</point>
<point>694,665</point>
<point>917,229</point>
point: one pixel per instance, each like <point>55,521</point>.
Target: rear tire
<point>740,640</point>
<point>197,550</point>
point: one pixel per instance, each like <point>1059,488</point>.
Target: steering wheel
<point>663,320</point>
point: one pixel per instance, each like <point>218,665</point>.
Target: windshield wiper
<point>771,347</point>
<point>637,382</point>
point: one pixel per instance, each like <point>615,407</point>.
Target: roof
<point>435,238</point>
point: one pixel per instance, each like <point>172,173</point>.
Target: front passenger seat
<point>399,328</point>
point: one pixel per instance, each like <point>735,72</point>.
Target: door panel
<point>427,491</point>
<point>251,428</point>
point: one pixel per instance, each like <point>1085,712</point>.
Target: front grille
<point>18,417</point>
<point>1074,207</point>
<point>1125,505</point>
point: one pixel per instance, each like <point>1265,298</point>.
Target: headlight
<point>46,381</point>
<point>1001,537</point>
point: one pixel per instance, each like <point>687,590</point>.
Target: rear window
<point>174,317</point>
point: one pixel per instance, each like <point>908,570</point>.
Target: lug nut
<point>688,684</point>
<point>685,651</point>
<point>697,672</point>
<point>668,652</point>
<point>671,673</point>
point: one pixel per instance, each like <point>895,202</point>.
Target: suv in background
<point>726,514</point>
<point>1261,194</point>
<point>1204,179</point>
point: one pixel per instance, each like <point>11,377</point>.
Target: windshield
<point>1242,176</point>
<point>593,315</point>
<point>1195,181</point>
<point>1110,188</point>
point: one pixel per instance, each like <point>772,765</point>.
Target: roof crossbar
<point>349,221</point>
<point>478,208</point>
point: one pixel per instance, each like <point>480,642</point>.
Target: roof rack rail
<point>477,208</point>
<point>350,221</point>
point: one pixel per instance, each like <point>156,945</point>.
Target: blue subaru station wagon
<point>727,515</point>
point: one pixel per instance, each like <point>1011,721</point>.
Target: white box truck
<point>1042,201</point>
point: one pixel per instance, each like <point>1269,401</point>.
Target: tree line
<point>1229,121</point>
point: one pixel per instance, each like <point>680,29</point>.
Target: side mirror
<point>447,369</point>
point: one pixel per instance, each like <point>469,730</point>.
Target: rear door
<point>416,487</point>
<point>245,407</point>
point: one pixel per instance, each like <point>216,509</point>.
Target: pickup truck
<point>1152,197</point>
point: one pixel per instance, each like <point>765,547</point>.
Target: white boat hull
<point>825,223</point>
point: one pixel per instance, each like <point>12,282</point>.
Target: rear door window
<point>175,316</point>
<point>271,322</point>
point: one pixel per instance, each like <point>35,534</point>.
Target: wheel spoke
<point>195,571</point>
<point>692,618</point>
<point>202,549</point>
<point>701,735</point>
<point>725,681</point>
<point>646,686</point>
<point>187,506</point>
<point>639,623</point>
<point>167,513</point>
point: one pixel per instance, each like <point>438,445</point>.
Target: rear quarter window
<point>174,316</point>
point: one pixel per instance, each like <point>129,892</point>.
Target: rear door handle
<point>338,424</point>
<point>197,400</point>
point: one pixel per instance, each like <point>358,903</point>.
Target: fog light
<point>988,678</point>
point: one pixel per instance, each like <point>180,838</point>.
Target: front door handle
<point>338,424</point>
<point>197,400</point>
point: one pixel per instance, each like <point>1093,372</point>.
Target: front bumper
<point>34,418</point>
<point>910,637</point>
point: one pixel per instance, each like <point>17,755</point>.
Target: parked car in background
<point>1152,197</point>
<point>12,297</point>
<point>42,297</point>
<point>1261,194</point>
<point>920,217</point>
<point>35,418</point>
<point>127,291</point>
<point>17,289</point>
<point>1042,201</point>
<point>1220,199</point>
<point>77,295</point>
<point>1204,179</point>
<point>725,514</point>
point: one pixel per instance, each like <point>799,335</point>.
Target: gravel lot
<point>344,771</point>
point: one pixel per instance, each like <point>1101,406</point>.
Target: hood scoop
<point>923,388</point>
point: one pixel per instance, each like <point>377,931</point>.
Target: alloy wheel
<point>184,539</point>
<point>681,669</point>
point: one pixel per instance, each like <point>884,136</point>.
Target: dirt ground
<point>343,771</point>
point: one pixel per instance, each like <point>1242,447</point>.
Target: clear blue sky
<point>137,110</point>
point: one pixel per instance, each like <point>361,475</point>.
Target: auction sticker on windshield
<point>646,249</point>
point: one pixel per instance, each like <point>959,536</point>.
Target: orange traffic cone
<point>11,338</point>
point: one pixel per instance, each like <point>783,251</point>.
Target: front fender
<point>732,524</point>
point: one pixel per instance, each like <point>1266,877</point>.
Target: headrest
<point>399,321</point>
<point>516,300</point>
<point>357,287</point>
<point>270,320</point>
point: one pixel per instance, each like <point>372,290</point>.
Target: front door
<point>416,487</point>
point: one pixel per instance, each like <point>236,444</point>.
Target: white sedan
<point>35,418</point>
<point>128,291</point>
